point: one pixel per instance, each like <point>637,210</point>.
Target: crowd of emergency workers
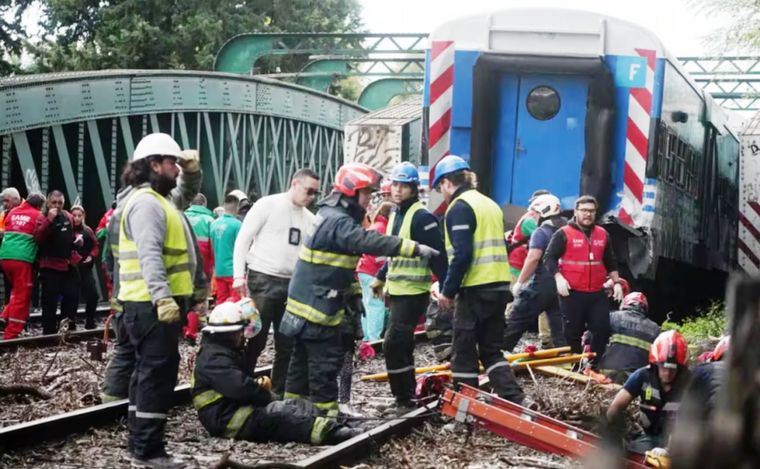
<point>371,263</point>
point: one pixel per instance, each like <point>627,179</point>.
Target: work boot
<point>339,434</point>
<point>348,410</point>
<point>163,461</point>
<point>399,408</point>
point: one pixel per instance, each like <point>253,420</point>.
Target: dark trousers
<point>151,388</point>
<point>535,298</point>
<point>280,421</point>
<point>122,363</point>
<point>313,370</point>
<point>351,332</point>
<point>270,294</point>
<point>57,284</point>
<point>89,293</point>
<point>398,346</point>
<point>479,333</point>
<point>581,311</point>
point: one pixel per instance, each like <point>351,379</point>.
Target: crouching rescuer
<point>232,403</point>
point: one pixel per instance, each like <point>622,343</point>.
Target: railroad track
<point>62,425</point>
<point>52,339</point>
<point>357,449</point>
<point>40,431</point>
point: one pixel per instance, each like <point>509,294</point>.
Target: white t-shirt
<point>264,240</point>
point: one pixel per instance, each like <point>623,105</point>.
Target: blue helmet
<point>447,165</point>
<point>405,172</point>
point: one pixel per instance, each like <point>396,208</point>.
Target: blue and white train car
<point>582,103</point>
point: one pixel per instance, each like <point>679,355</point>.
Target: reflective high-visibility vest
<point>176,259</point>
<point>489,254</point>
<point>205,398</point>
<point>582,263</point>
<point>408,275</point>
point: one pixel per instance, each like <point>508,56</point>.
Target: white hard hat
<point>157,144</point>
<point>225,317</point>
<point>547,205</point>
<point>231,317</point>
<point>238,194</point>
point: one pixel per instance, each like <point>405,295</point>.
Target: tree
<point>170,34</point>
<point>12,34</point>
<point>742,30</point>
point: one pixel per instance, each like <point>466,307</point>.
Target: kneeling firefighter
<point>659,386</point>
<point>232,403</point>
<point>632,334</point>
<point>321,283</point>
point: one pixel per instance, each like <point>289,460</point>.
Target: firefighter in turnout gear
<point>321,283</point>
<point>232,403</point>
<point>632,334</point>
<point>408,280</point>
<point>157,262</point>
<point>477,279</point>
<point>660,386</point>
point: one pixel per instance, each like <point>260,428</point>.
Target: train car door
<point>540,137</point>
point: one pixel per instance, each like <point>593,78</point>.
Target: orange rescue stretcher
<point>467,404</point>
<point>534,357</point>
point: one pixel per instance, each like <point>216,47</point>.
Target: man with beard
<point>156,266</point>
<point>122,360</point>
<point>580,256</point>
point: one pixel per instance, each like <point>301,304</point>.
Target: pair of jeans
<point>375,312</point>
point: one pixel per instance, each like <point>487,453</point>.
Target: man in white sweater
<point>269,242</point>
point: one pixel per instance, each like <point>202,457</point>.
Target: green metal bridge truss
<point>397,61</point>
<point>74,132</point>
<point>734,81</point>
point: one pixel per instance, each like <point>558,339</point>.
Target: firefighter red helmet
<point>721,348</point>
<point>353,177</point>
<point>385,187</point>
<point>669,349</point>
<point>635,299</point>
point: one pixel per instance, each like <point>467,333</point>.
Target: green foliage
<point>170,34</point>
<point>348,88</point>
<point>12,34</point>
<point>709,323</point>
<point>742,30</point>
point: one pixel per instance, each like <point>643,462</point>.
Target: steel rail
<point>62,425</point>
<point>52,339</point>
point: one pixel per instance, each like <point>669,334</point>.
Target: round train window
<point>543,102</point>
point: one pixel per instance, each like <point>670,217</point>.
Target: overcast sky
<point>680,26</point>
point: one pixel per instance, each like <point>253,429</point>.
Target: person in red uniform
<point>580,256</point>
<point>518,238</point>
<point>101,232</point>
<point>17,255</point>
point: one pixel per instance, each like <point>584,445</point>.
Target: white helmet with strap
<point>157,144</point>
<point>547,205</point>
<point>232,317</point>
